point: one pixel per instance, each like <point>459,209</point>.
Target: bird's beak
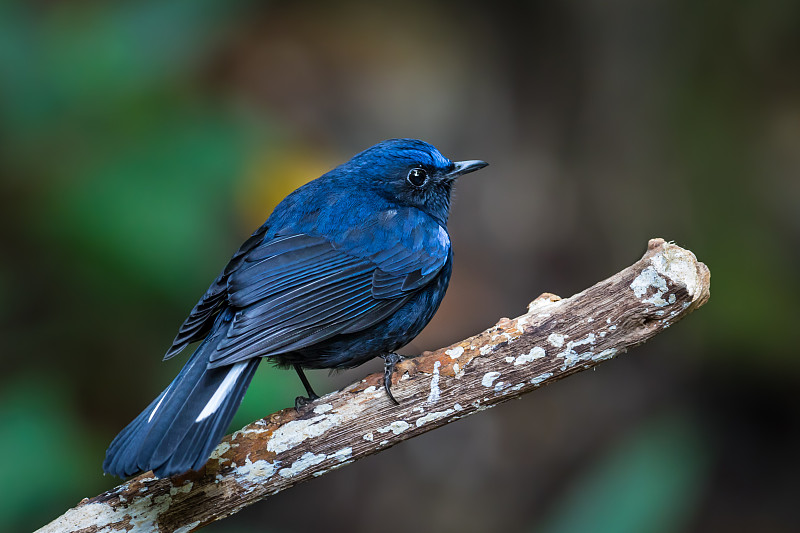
<point>465,167</point>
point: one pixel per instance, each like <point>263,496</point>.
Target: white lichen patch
<point>342,455</point>
<point>489,378</point>
<point>679,265</point>
<point>323,408</point>
<point>556,339</point>
<point>605,354</point>
<point>436,415</point>
<point>396,427</point>
<point>455,353</point>
<point>293,433</point>
<point>517,386</point>
<point>141,516</point>
<point>334,467</point>
<point>183,489</point>
<point>457,371</point>
<point>98,515</point>
<point>309,459</point>
<point>145,519</point>
<point>305,462</point>
<point>188,527</point>
<point>253,472</point>
<point>435,393</point>
<point>540,304</point>
<point>219,451</point>
<point>510,359</point>
<point>368,437</point>
<point>487,349</point>
<point>571,356</point>
<point>541,377</point>
<point>647,280</point>
<point>258,427</point>
<point>535,353</point>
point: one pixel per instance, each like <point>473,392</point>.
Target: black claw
<point>389,362</point>
<point>301,401</point>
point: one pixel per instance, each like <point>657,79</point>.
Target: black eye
<point>417,177</point>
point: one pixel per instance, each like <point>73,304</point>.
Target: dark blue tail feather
<point>182,426</point>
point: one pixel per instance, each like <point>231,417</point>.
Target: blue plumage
<point>348,267</point>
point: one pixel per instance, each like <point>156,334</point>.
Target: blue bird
<point>348,267</point>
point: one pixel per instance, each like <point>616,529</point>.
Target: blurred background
<point>141,142</point>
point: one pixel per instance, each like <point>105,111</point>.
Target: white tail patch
<point>222,391</point>
<point>153,413</point>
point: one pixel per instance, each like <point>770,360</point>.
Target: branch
<point>554,339</point>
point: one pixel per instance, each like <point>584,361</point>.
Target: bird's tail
<point>182,426</point>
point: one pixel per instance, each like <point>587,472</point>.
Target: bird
<point>349,267</point>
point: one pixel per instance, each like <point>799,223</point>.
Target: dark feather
<point>299,290</point>
<point>171,439</point>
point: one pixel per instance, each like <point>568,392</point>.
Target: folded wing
<point>297,290</point>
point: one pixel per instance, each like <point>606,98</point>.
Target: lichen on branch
<point>555,338</point>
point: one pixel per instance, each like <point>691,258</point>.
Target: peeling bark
<point>554,339</point>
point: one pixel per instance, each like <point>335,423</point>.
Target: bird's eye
<point>417,177</point>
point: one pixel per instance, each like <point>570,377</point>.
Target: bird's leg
<point>389,362</point>
<point>301,401</point>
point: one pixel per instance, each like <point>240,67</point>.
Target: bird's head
<point>411,173</point>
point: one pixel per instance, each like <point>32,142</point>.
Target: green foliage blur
<point>141,142</point>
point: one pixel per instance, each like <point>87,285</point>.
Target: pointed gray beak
<point>465,167</point>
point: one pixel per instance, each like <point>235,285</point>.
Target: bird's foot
<point>301,401</point>
<point>389,362</point>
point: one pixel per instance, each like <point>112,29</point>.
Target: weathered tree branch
<point>554,339</point>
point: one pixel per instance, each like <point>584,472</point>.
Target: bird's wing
<point>297,290</point>
<point>201,318</point>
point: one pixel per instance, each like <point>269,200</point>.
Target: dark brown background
<point>142,141</point>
